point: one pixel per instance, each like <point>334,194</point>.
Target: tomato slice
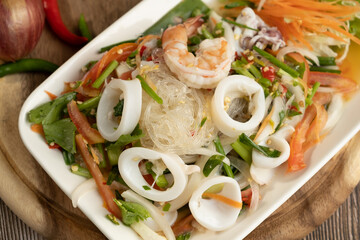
<point>91,135</point>
<point>104,189</point>
<point>338,82</point>
<point>296,158</point>
<point>313,134</point>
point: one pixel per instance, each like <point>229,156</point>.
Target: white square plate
<point>130,26</point>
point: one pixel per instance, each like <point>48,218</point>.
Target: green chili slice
<point>27,65</point>
<point>84,29</point>
<point>78,170</point>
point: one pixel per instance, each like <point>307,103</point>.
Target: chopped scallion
<point>149,90</point>
<point>277,62</point>
<point>111,67</point>
<point>239,24</point>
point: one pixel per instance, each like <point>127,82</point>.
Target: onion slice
<point>290,49</point>
<point>81,190</point>
<point>108,127</point>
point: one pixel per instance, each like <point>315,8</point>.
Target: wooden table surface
<point>343,224</point>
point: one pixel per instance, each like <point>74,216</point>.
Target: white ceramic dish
<point>130,26</point>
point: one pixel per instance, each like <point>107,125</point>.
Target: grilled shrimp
<point>211,62</point>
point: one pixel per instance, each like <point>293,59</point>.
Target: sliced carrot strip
<point>223,199</point>
<point>51,95</point>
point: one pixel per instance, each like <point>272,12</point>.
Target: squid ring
<point>108,127</point>
<point>129,170</point>
<point>210,213</point>
<point>233,87</point>
<point>275,142</point>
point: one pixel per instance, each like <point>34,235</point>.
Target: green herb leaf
<point>220,149</point>
<point>132,212</point>
<point>50,111</point>
<point>114,150</point>
<point>213,161</point>
<point>282,117</point>
<point>61,132</point>
<point>114,175</point>
<point>262,149</point>
<point>146,188</point>
<point>118,109</point>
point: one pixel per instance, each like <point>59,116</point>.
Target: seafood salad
<point>181,129</point>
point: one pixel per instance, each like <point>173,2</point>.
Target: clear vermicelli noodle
<point>175,125</point>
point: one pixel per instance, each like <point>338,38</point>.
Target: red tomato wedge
<point>306,135</point>
<point>91,135</point>
<point>104,190</point>
<point>339,83</point>
<point>313,134</point>
<point>296,159</point>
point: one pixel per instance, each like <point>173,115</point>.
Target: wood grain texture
<point>44,207</point>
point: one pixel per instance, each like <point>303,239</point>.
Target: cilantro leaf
<point>118,109</point>
<point>132,212</point>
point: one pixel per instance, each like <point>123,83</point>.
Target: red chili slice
<point>268,73</point>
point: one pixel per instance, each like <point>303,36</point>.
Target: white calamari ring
<point>274,142</point>
<point>210,213</point>
<point>108,127</point>
<point>236,86</point>
<point>129,170</point>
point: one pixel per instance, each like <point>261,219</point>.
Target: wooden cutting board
<point>35,198</point>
